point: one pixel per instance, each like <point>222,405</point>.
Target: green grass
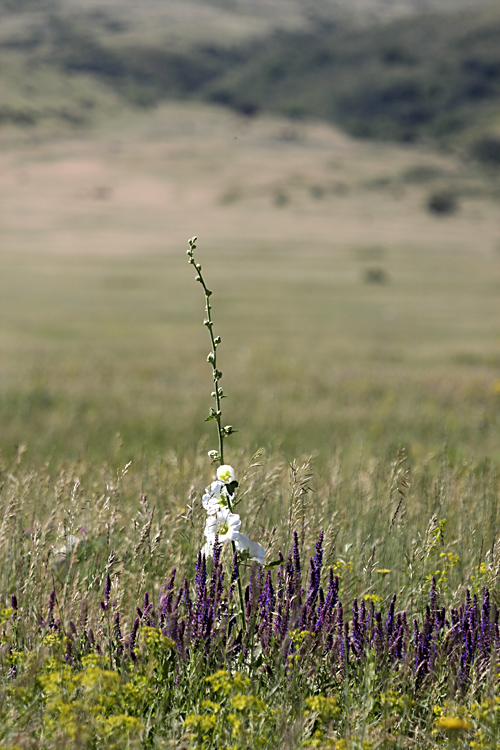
<point>315,359</point>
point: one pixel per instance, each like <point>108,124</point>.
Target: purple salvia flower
<point>234,570</point>
<point>340,619</point>
<point>396,647</point>
<point>389,623</point>
<point>327,614</point>
<point>148,615</point>
<point>133,635</point>
<point>216,570</point>
<point>267,601</point>
<point>296,554</point>
<point>340,636</point>
<point>357,633</point>
<point>421,660</point>
<point>167,594</point>
<point>199,615</point>
<point>14,602</point>
<point>485,620</point>
<point>186,598</point>
<point>201,573</point>
<point>473,613</point>
<point>314,585</point>
<point>320,620</point>
<point>107,588</point>
<point>283,616</point>
<point>290,577</point>
<point>316,566</point>
<point>117,627</point>
<point>468,605</point>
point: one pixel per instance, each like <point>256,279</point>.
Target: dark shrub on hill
<point>442,203</point>
<point>487,150</point>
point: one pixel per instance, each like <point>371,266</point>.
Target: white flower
<point>208,549</point>
<point>253,549</point>
<point>226,473</point>
<point>214,498</point>
<point>225,524</point>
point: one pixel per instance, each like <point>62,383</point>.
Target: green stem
<point>217,392</point>
<point>216,413</point>
<point>238,580</point>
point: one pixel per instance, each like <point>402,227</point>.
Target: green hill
<point>430,77</point>
<point>421,77</point>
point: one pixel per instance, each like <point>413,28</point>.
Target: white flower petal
<point>254,550</point>
<point>224,523</point>
<point>226,473</point>
<point>214,498</point>
<point>208,548</point>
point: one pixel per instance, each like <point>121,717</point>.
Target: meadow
<point>359,352</point>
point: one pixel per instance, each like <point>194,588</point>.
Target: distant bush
<point>487,150</point>
<point>421,173</point>
<point>442,203</point>
<point>375,275</point>
<point>17,116</point>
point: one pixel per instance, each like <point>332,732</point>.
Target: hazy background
<point>340,164</point>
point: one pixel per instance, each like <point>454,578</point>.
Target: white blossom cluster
<point>223,522</point>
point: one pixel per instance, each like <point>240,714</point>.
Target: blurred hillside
<point>404,70</point>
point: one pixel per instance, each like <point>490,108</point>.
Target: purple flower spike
<point>296,554</point>
<point>107,588</point>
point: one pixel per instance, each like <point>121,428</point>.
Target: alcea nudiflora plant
<point>223,525</point>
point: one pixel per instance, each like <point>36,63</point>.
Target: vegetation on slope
<point>430,77</point>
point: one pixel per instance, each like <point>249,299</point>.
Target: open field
<point>101,321</point>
